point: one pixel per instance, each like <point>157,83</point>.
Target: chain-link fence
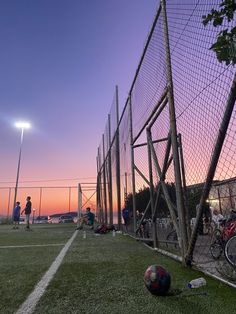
<point>171,155</point>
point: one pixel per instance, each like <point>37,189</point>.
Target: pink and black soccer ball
<point>157,280</point>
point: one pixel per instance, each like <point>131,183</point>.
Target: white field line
<point>29,245</point>
<point>30,303</point>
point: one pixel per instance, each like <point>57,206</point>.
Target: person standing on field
<point>27,211</point>
<point>126,217</point>
<point>16,215</point>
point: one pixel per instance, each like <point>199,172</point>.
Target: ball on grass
<point>157,280</point>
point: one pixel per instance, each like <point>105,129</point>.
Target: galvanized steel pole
<point>118,161</point>
<point>110,173</point>
<point>104,179</point>
<point>178,183</point>
<point>154,227</point>
<point>132,162</point>
<point>18,168</point>
<point>40,200</point>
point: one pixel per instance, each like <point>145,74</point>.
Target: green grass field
<point>99,274</point>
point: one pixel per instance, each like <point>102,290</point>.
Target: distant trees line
<point>142,198</point>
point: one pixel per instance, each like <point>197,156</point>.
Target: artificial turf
<point>22,267</point>
<point>104,274</point>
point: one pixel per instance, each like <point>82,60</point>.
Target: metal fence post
<point>230,196</point>
<point>132,162</point>
<point>98,187</point>
<point>79,202</point>
<point>154,226</point>
<point>118,161</point>
<point>9,200</point>
<point>99,190</point>
<point>40,200</point>
<point>69,197</point>
<point>178,182</point>
<point>110,173</point>
<point>104,179</point>
<point>219,197</point>
<point>186,213</point>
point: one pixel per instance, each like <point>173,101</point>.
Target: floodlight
<point>22,125</point>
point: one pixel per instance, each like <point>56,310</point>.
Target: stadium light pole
<point>22,126</point>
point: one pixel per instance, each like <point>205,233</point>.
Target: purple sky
<point>60,62</point>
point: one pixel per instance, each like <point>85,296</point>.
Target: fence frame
<point>174,155</point>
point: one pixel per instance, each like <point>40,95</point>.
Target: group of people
<point>89,217</point>
<point>126,215</point>
<point>17,212</point>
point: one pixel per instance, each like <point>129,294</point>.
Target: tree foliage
<point>142,197</point>
<point>225,45</point>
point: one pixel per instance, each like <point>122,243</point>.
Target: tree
<point>142,197</point>
<point>193,199</point>
<point>225,45</point>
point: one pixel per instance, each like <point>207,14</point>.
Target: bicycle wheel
<point>216,250</point>
<point>211,229</point>
<point>172,236</point>
<point>139,233</point>
<point>230,251</point>
<point>216,247</point>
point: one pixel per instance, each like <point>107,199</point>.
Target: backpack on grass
<point>101,229</point>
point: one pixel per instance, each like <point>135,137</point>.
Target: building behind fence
<point>174,138</point>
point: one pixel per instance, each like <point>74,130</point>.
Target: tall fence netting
<point>201,86</point>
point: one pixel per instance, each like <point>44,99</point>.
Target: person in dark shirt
<point>16,215</point>
<point>87,219</point>
<point>90,217</point>
<point>27,211</point>
<point>126,217</point>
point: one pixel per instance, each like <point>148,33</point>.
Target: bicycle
<point>172,238</point>
<point>224,241</point>
<point>208,227</point>
<point>230,251</point>
<point>143,231</point>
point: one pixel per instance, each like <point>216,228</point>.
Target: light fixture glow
<point>22,125</point>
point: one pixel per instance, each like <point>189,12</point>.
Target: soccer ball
<point>157,280</point>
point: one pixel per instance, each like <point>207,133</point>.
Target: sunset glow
<point>60,63</point>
